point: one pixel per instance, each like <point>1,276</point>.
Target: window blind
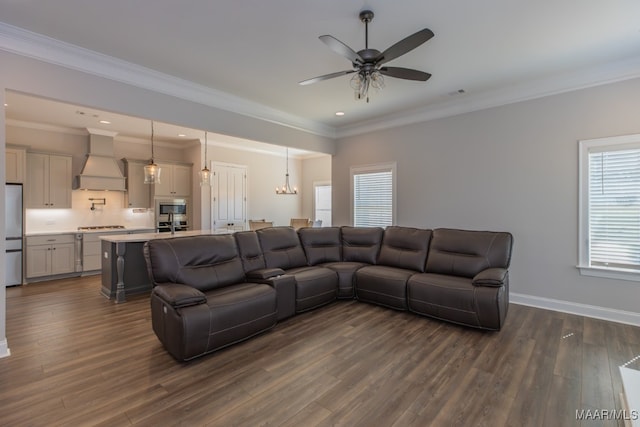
<point>373,199</point>
<point>614,209</point>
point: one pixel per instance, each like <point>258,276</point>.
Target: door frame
<point>213,165</point>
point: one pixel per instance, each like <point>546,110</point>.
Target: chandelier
<point>286,188</point>
<point>205,173</point>
<point>152,170</point>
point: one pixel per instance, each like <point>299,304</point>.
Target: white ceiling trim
<point>26,43</point>
<point>557,84</point>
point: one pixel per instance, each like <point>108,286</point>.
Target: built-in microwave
<point>172,210</point>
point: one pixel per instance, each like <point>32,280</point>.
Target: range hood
<point>101,170</point>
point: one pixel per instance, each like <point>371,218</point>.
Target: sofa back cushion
<point>361,244</point>
<point>321,244</point>
<point>204,262</point>
<point>465,253</point>
<point>281,247</point>
<point>404,247</point>
<point>250,250</point>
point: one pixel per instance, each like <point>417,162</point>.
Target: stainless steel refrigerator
<point>13,229</point>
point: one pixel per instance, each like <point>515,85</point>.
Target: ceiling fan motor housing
<point>366,16</point>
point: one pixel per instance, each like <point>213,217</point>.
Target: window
<point>373,195</point>
<point>322,203</point>
<point>610,207</point>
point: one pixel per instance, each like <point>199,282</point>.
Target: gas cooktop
<point>100,227</point>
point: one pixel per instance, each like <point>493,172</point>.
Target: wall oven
<point>172,212</point>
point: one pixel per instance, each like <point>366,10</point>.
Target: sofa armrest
<point>491,277</point>
<point>264,273</point>
<point>178,295</point>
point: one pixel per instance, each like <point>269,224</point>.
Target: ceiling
<point>259,51</point>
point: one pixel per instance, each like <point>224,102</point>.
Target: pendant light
<point>286,188</point>
<point>205,173</point>
<point>152,170</point>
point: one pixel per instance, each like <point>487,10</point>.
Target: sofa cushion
<point>315,286</point>
<point>321,244</point>
<point>457,300</point>
<point>404,247</point>
<point>361,244</point>
<point>203,262</point>
<point>346,272</point>
<point>239,311</point>
<point>281,248</point>
<point>383,285</point>
<point>250,250</point>
<point>466,253</point>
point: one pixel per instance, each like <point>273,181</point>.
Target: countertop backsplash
<point>81,215</point>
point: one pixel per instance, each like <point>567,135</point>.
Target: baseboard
<point>620,316</point>
<point>4,349</point>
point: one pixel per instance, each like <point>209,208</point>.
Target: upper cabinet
<point>138,193</point>
<point>48,183</point>
<point>175,181</point>
<point>15,165</point>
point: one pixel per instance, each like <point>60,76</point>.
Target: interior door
<point>229,197</point>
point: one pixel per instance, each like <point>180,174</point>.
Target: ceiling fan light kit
<point>367,63</point>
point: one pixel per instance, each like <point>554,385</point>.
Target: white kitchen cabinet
<point>138,193</point>
<point>175,181</point>
<point>48,181</point>
<point>15,165</point>
<point>50,255</point>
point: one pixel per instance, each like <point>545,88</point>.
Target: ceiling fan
<point>367,63</point>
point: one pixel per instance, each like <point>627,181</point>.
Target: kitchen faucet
<point>172,225</point>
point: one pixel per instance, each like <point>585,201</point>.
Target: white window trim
<point>584,148</point>
<point>371,168</point>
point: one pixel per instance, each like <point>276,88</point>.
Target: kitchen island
<point>124,270</point>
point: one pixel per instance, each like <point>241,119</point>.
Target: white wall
<point>265,172</point>
<point>513,168</point>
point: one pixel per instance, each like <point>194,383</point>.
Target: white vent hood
<point>101,170</point>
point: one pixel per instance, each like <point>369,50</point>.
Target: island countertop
<point>144,237</point>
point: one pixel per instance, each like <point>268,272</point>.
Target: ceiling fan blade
<point>341,49</point>
<point>405,73</point>
<point>326,77</point>
<point>405,45</point>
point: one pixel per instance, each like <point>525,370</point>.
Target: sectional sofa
<point>213,291</point>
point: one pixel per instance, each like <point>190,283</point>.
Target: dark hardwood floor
<point>78,359</point>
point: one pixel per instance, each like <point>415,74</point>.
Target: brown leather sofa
<point>213,291</point>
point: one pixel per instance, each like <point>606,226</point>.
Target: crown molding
<point>26,43</point>
<point>45,127</point>
<point>559,83</point>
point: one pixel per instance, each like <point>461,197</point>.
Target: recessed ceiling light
<point>182,135</point>
<point>339,113</point>
<point>457,92</point>
<point>105,122</point>
<point>6,105</point>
